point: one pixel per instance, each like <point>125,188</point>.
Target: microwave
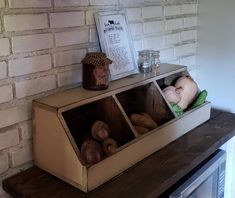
<point>207,181</point>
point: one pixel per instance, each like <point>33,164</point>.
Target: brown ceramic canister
<point>96,71</point>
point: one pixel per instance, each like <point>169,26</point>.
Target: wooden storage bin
<point>61,121</point>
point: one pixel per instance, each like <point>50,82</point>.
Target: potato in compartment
<point>92,124</point>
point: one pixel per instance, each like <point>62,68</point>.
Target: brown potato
<point>110,146</point>
<point>100,131</point>
<point>91,152</point>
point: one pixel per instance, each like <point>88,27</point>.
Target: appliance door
<point>206,182</point>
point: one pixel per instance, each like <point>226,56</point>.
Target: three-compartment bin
<point>63,120</point>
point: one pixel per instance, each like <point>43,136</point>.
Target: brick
<point>189,9</point>
<point>90,19</point>
<point>185,49</point>
<point>25,22</point>
<point>131,2</point>
<point>69,57</point>
<point>3,70</point>
<point>188,35</point>
<point>67,3</point>
<point>29,3</point>
<point>166,53</point>
<point>29,65</point>
<point>21,155</point>
<point>153,42</point>
<point>4,162</point>
<point>67,19</point>
<point>26,130</point>
<point>136,29</point>
<point>171,39</point>
<point>2,3</point>
<point>174,24</point>
<point>35,86</point>
<point>71,38</point>
<point>133,14</point>
<point>14,115</point>
<point>9,138</point>
<point>153,27</point>
<point>172,10</point>
<point>93,36</point>
<point>32,42</point>
<point>190,22</point>
<point>151,12</point>
<point>8,93</point>
<point>4,47</point>
<point>103,2</point>
<point>69,77</point>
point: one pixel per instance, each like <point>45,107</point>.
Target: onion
<point>171,94</point>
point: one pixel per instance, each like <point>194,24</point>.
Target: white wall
<point>216,66</point>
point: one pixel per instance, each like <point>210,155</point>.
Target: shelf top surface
<point>71,96</point>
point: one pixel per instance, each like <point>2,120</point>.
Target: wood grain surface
<point>149,178</point>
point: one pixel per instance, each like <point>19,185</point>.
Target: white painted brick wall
<point>21,155</point>
<point>152,12</point>
<point>190,22</point>
<point>4,163</point>
<point>172,38</point>
<point>167,54</point>
<point>172,10</point>
<point>35,86</point>
<point>29,3</point>
<point>90,19</point>
<point>14,115</point>
<point>32,42</point>
<point>131,2</point>
<point>9,138</point>
<point>69,77</point>
<point>68,3</point>
<point>154,43</point>
<point>184,49</point>
<point>2,3</point>
<point>136,29</point>
<point>6,93</point>
<point>25,22</point>
<point>174,24</point>
<point>67,19</point>
<point>26,130</point>
<point>29,65</point>
<point>3,70</point>
<point>4,47</point>
<point>133,14</point>
<point>103,2</point>
<point>69,57</point>
<point>153,27</point>
<point>188,35</point>
<point>71,38</point>
<point>189,9</point>
<point>93,36</point>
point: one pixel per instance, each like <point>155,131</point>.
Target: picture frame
<point>115,40</point>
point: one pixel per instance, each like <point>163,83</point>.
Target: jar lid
<point>96,58</point>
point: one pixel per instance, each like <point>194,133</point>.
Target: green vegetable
<point>177,109</point>
<point>200,99</point>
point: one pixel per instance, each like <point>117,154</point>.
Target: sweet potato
<point>143,121</point>
<point>141,130</point>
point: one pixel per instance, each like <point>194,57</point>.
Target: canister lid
<point>96,58</point>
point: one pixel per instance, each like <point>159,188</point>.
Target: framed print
<point>116,42</point>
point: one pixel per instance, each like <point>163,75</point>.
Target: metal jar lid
<point>96,58</point>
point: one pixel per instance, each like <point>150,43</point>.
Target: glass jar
<point>144,61</point>
<point>155,60</point>
<point>95,71</point>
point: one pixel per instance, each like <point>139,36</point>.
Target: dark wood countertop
<point>149,178</point>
